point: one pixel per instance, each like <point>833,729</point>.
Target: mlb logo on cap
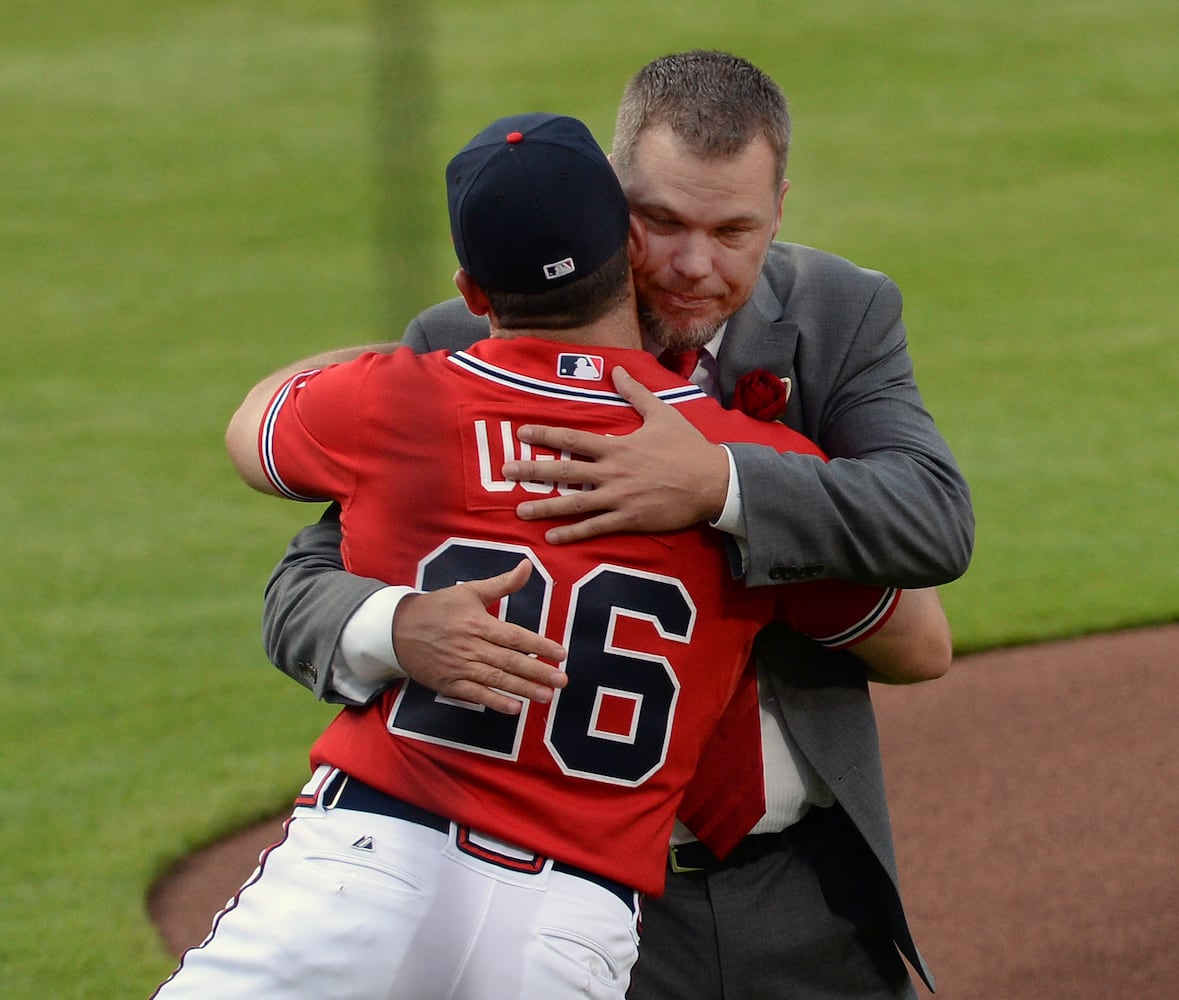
<point>559,269</point>
<point>585,367</point>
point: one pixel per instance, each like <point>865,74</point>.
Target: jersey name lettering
<point>496,443</point>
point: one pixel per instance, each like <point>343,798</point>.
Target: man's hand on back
<point>662,477</point>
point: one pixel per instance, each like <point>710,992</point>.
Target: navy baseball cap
<point>534,204</point>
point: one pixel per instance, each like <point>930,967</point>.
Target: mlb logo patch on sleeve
<point>585,367</point>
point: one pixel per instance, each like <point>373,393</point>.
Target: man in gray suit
<point>808,904</point>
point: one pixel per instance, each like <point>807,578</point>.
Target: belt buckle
<point>674,859</point>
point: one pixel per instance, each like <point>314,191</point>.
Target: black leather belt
<point>695,857</point>
<point>359,797</point>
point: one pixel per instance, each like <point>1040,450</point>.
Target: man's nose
<point>693,258</point>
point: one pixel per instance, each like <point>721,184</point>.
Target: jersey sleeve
<point>306,440</point>
<point>836,613</point>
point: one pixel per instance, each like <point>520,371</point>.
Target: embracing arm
<point>891,507</point>
<point>309,600</point>
<point>446,639</point>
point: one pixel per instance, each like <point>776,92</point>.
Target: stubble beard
<point>673,337</point>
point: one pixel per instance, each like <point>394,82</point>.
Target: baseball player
<point>439,849</point>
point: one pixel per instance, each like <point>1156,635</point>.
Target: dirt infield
<point>1035,803</point>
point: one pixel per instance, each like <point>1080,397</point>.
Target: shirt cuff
<point>732,515</point>
<point>367,661</point>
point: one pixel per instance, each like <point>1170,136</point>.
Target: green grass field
<point>194,192</point>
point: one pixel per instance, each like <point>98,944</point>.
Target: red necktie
<point>728,793</point>
<point>683,363</point>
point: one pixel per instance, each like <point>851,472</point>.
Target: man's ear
<point>473,294</point>
<point>785,186</point>
<point>637,243</point>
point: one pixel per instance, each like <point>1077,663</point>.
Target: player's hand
<point>448,641</point>
<point>662,477</point>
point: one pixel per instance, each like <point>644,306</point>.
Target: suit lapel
<point>757,336</point>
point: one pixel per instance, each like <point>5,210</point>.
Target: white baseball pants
<point>355,905</point>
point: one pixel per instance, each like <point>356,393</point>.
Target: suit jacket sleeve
<point>310,597</point>
<point>891,507</point>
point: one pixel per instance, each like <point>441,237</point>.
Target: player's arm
<point>346,638</point>
<point>902,636</point>
<point>446,325</point>
<point>914,645</point>
<point>241,436</point>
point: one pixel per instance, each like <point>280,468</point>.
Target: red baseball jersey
<point>656,628</point>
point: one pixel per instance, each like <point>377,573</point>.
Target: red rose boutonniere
<point>761,394</point>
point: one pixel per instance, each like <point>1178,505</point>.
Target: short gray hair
<point>714,103</point>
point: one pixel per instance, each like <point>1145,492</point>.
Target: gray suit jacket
<point>899,514</point>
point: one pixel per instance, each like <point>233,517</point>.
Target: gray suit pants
<point>791,925</point>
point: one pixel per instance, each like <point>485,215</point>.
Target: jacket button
<point>308,670</point>
<point>787,574</point>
